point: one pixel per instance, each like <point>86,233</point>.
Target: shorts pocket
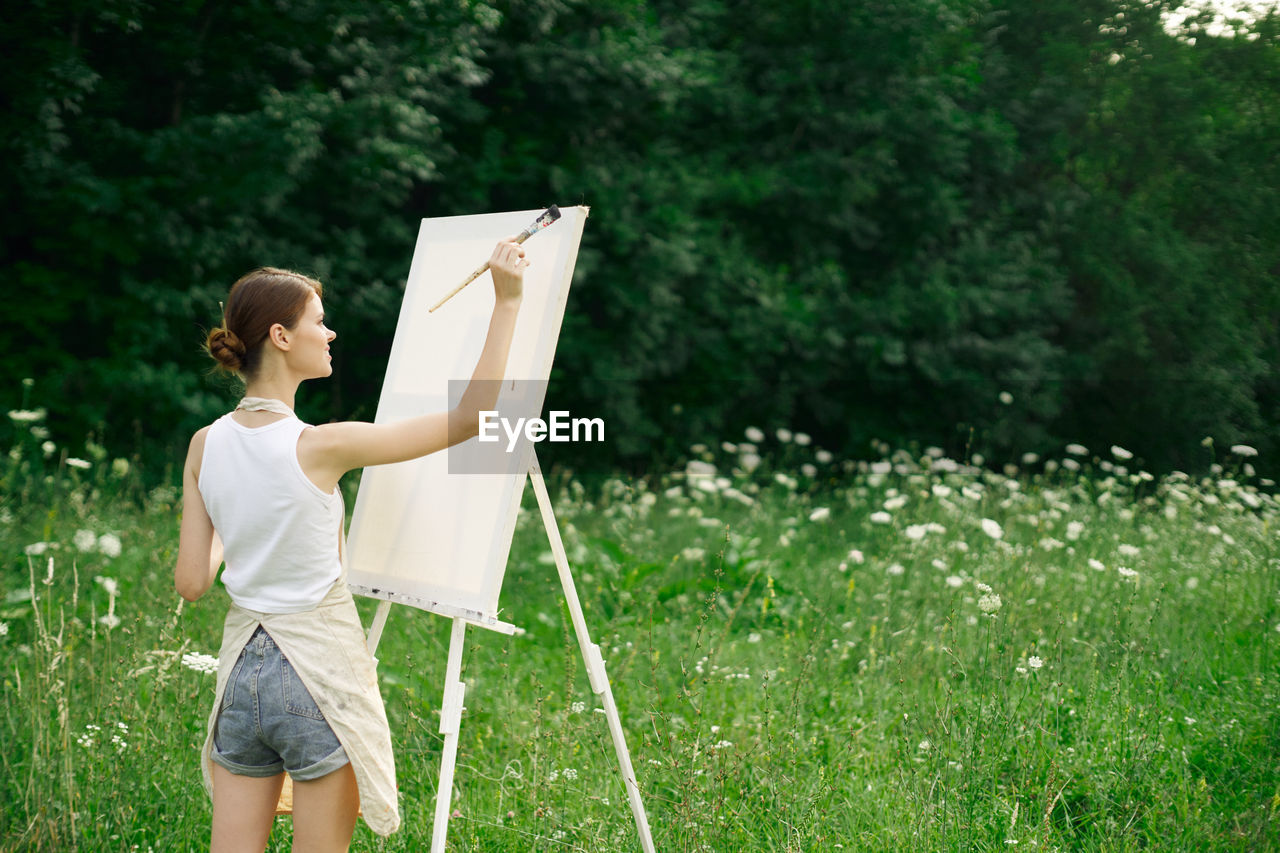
<point>297,699</point>
<point>229,692</point>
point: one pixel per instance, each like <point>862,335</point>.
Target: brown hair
<point>258,301</point>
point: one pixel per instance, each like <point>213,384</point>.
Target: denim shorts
<point>268,721</point>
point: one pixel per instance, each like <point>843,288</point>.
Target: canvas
<point>421,534</point>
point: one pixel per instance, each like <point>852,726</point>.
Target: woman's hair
<point>258,301</point>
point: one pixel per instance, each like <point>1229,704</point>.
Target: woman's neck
<point>283,391</point>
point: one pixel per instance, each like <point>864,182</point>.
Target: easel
<point>454,687</point>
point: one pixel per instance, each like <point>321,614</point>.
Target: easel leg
<point>450,723</point>
<point>591,656</point>
<point>376,626</point>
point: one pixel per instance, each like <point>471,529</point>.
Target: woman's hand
<point>507,265</point>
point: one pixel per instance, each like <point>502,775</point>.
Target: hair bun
<point>226,349</point>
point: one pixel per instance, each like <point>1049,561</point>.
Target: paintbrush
<point>551,214</point>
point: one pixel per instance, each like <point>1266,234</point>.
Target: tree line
<point>982,224</point>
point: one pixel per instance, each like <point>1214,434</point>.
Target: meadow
<point>907,652</point>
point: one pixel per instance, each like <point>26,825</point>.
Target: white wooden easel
<point>454,687</point>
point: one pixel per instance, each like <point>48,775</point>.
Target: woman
<point>297,690</point>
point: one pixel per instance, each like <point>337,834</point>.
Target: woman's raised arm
<point>329,451</point>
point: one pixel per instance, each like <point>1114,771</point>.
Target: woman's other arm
<point>199,547</point>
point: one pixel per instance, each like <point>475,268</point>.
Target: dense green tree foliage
<point>858,219</point>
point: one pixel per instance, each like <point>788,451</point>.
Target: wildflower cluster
<point>200,662</point>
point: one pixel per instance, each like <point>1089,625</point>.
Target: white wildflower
<point>896,569</point>
<point>1074,529</point>
<point>1126,572</point>
<point>35,549</point>
<point>924,745</point>
<point>84,540</point>
<point>784,435</point>
<point>111,620</point>
<point>1006,398</point>
<point>1077,450</point>
<point>856,556</point>
<point>693,554</point>
<point>27,416</point>
<point>749,461</point>
<point>49,448</point>
<point>1034,662</point>
<point>992,528</point>
<point>955,581</point>
<point>728,447</point>
<point>824,457</point>
<point>569,773</point>
<point>577,707</point>
<point>1097,565</point>
<point>809,470</point>
<point>989,603</point>
<point>1120,453</point>
<point>803,439</point>
<point>199,662</point>
<point>982,587</point>
<point>76,462</point>
<point>916,532</point>
<point>753,637</point>
<point>754,434</point>
<point>940,491</point>
<point>1244,450</point>
<point>896,502</point>
<point>697,470</point>
<point>111,585</point>
<point>1128,550</point>
<point>822,513</point>
<point>881,518</point>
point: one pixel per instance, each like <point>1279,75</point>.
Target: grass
<point>1101,676</point>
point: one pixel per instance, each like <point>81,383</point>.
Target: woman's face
<point>309,350</point>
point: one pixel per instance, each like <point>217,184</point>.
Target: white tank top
<point>279,530</point>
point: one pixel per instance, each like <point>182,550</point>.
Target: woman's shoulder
<point>195,450</point>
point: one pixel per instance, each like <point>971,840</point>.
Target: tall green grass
<point>1093,667</point>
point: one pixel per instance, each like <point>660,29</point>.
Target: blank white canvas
<point>420,535</point>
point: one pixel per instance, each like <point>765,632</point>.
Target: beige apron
<point>326,646</point>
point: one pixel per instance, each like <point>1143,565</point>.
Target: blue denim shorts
<point>268,721</point>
